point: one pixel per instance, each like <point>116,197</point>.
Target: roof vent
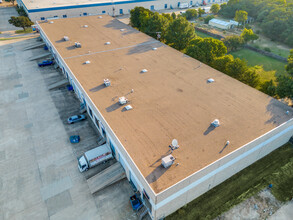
<point>155,48</point>
<point>51,22</point>
<point>85,26</point>
<point>107,82</point>
<point>128,107</point>
<point>216,123</point>
<point>100,17</point>
<point>122,30</point>
<point>210,80</point>
<point>87,62</point>
<point>66,38</point>
<point>108,43</point>
<point>168,161</point>
<point>77,45</point>
<point>144,70</point>
<point>122,100</point>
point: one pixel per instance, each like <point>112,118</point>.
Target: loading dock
<point>106,178</point>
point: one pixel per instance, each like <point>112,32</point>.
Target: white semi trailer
<point>94,157</point>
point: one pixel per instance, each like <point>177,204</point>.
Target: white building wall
<point>108,9</point>
<point>197,184</point>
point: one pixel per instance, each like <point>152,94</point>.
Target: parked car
<point>45,63</point>
<point>76,118</point>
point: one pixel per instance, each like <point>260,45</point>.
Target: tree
<point>241,16</point>
<point>206,49</point>
<point>208,18</point>
<point>200,12</point>
<point>289,66</point>
<point>215,8</point>
<point>173,15</point>
<point>221,63</point>
<point>236,68</point>
<point>269,88</point>
<point>21,11</point>
<point>20,21</point>
<point>248,35</point>
<point>250,77</point>
<point>136,16</point>
<point>179,33</point>
<point>156,23</point>
<point>190,14</point>
<point>233,42</point>
<point>284,87</point>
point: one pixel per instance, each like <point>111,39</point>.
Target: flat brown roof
<point>171,100</point>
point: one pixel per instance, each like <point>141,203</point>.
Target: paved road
<point>39,175</point>
<point>5,14</point>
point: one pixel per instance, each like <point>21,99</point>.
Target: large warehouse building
<point>172,96</point>
<point>50,9</point>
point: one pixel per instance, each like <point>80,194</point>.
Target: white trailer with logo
<point>94,157</point>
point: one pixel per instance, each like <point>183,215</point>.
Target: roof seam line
<point>104,51</point>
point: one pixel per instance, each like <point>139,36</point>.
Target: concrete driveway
<point>5,14</point>
<point>39,175</point>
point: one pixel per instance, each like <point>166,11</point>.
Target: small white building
<point>222,24</point>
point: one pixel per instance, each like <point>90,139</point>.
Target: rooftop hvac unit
<point>122,30</point>
<point>128,107</point>
<point>154,48</point>
<point>87,62</point>
<point>168,161</point>
<point>77,44</point>
<point>216,123</point>
<point>107,82</point>
<point>210,80</point>
<point>122,100</point>
<point>51,22</point>
<point>100,17</point>
<point>144,70</point>
<point>108,43</point>
<point>66,38</point>
<point>85,26</point>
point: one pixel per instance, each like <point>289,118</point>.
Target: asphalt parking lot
<point>5,14</point>
<point>39,175</point>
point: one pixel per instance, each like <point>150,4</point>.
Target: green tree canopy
<point>284,87</point>
<point>215,8</point>
<point>190,14</point>
<point>206,49</point>
<point>237,68</point>
<point>156,23</point>
<point>233,42</point>
<point>248,35</point>
<point>179,33</point>
<point>208,18</point>
<point>201,12</point>
<point>20,21</point>
<point>289,66</point>
<point>268,87</point>
<point>241,16</point>
<point>137,16</point>
<point>221,63</point>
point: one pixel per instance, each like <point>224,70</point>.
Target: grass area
<point>276,168</point>
<point>28,30</point>
<point>202,35</point>
<point>275,48</point>
<point>13,38</point>
<point>269,64</point>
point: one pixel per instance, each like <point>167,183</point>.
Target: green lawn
<point>28,30</point>
<point>202,35</point>
<point>273,47</point>
<point>269,64</point>
<point>276,168</point>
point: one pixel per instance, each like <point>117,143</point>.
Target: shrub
<point>267,49</point>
